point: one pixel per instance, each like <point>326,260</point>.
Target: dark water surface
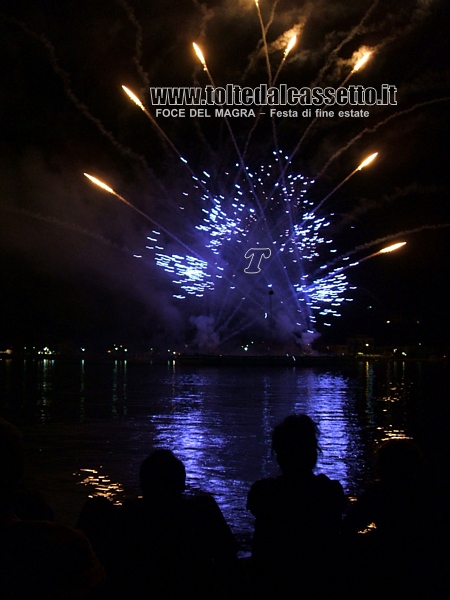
<point>87,426</point>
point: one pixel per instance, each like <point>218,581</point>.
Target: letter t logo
<point>256,255</point>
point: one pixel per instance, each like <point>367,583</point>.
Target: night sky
<point>66,248</point>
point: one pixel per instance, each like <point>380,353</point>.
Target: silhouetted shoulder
<point>204,514</point>
<point>332,489</point>
<point>262,495</point>
<point>43,559</point>
<point>270,494</point>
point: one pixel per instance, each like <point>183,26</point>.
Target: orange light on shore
<point>290,45</point>
<point>199,54</point>
<point>392,248</point>
<point>362,61</point>
<point>133,97</point>
<point>367,161</point>
<point>100,184</point>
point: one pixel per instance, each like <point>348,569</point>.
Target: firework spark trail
<point>239,330</point>
<point>153,121</point>
<point>386,250</point>
<point>225,326</point>
<point>316,208</point>
<point>110,190</point>
<point>382,240</point>
<point>289,47</point>
<point>202,60</point>
<point>421,11</point>
<point>227,122</point>
<point>210,150</point>
<point>230,316</point>
<point>230,131</point>
<point>419,14</point>
<point>355,31</point>
<point>272,15</point>
<point>83,108</point>
<point>290,206</point>
<point>364,163</point>
<point>346,80</point>
<point>64,224</point>
<point>356,68</point>
<point>264,38</point>
<point>132,96</point>
<point>335,189</point>
<point>391,248</point>
<point>255,55</point>
<point>388,238</point>
<point>138,45</point>
<point>368,205</point>
<point>406,111</point>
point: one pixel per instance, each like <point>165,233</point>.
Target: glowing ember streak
<point>391,248</point>
<point>199,54</point>
<point>291,44</point>
<point>137,210</point>
<point>362,61</point>
<point>367,161</point>
<point>133,97</point>
<point>100,184</point>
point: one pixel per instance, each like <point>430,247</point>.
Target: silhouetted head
<point>294,441</point>
<point>162,475</point>
<point>398,459</point>
<point>11,457</point>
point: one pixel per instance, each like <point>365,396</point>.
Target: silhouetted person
<point>31,505</point>
<point>402,551</point>
<point>97,521</point>
<point>170,545</point>
<point>39,560</point>
<point>298,516</point>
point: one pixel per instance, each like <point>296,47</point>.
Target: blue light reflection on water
<point>108,417</point>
